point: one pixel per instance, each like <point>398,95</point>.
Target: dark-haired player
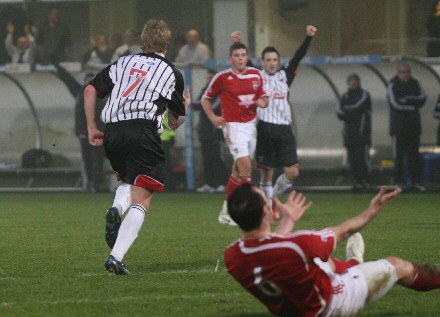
<point>282,272</point>
<point>276,144</point>
<point>241,91</point>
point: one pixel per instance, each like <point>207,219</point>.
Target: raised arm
<point>300,53</point>
<point>292,210</point>
<point>357,223</point>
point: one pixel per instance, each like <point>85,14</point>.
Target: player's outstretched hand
<point>294,207</point>
<point>311,30</point>
<point>187,100</point>
<point>382,199</point>
<point>96,137</point>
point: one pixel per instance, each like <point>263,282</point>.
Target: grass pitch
<point>53,252</point>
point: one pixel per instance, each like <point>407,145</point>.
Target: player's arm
<point>357,223</point>
<point>263,98</point>
<point>100,86</point>
<point>96,137</point>
<point>216,120</point>
<point>214,89</point>
<point>293,209</point>
<point>175,120</point>
<point>300,53</point>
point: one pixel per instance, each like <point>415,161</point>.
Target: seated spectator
<point>116,41</point>
<point>53,38</point>
<point>26,50</point>
<point>130,47</point>
<point>99,53</point>
<point>194,52</point>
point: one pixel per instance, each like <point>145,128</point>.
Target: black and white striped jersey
<point>277,87</point>
<point>141,86</point>
<point>278,110</point>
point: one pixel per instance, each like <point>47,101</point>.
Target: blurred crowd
<point>51,42</point>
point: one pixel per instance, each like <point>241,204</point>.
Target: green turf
<point>53,252</point>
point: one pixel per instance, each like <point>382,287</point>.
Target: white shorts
<point>241,138</point>
<point>360,285</point>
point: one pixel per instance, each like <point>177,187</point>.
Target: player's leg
<point>286,180</point>
<point>416,276</point>
<point>113,216</point>
<point>266,175</point>
<point>287,156</point>
<point>145,173</point>
<point>354,254</point>
<point>239,137</point>
<point>130,227</point>
<point>115,152</point>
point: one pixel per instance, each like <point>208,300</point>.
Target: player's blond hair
<point>156,36</point>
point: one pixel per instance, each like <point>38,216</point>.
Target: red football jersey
<point>279,271</point>
<point>238,93</point>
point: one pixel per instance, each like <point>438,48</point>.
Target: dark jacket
<point>437,108</point>
<point>80,114</point>
<point>354,108</point>
<point>405,117</point>
<point>206,130</point>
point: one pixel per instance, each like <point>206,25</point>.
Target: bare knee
<point>266,174</point>
<point>292,173</point>
<point>404,269</point>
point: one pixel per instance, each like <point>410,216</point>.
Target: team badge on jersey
<point>256,85</point>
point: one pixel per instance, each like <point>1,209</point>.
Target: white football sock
<point>129,230</point>
<point>122,198</point>
<point>267,189</point>
<point>281,185</point>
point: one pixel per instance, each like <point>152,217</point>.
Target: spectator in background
<point>99,53</point>
<point>212,144</point>
<point>178,42</point>
<point>437,115</point>
<point>433,26</point>
<point>26,50</point>
<point>194,52</point>
<point>53,38</point>
<point>92,156</point>
<point>116,41</point>
<point>130,47</point>
<point>354,108</point>
<point>406,97</point>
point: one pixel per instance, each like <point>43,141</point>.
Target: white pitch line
<point>200,271</point>
<point>104,273</point>
<point>121,299</point>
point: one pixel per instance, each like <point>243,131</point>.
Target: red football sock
<point>341,266</point>
<point>245,180</point>
<point>427,278</point>
<point>233,183</point>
